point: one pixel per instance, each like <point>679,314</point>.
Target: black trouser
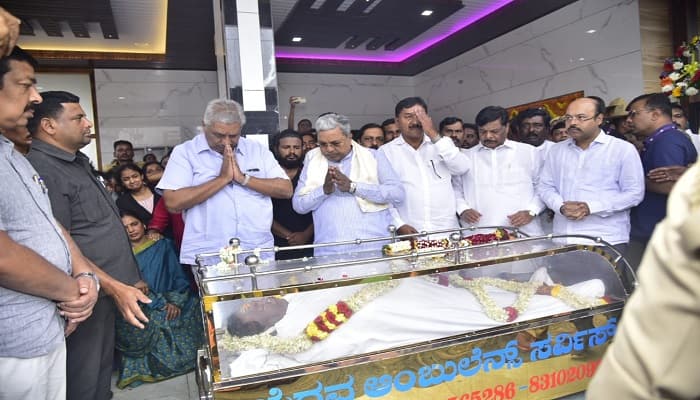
<point>91,354</point>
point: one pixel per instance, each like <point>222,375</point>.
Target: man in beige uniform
<point>656,346</point>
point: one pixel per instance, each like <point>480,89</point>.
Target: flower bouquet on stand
<point>680,77</point>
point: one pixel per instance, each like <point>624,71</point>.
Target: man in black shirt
<point>86,210</point>
<point>289,227</point>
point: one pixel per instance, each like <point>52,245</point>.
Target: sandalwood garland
<point>318,329</point>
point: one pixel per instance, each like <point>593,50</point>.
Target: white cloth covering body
<point>417,310</point>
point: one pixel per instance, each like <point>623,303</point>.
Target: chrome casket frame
<point>251,281</point>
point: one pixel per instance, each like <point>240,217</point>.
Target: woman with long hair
<point>138,198</point>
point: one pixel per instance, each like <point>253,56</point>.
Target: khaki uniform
<point>654,354</point>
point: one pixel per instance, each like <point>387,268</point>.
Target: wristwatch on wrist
<point>532,213</point>
<point>91,275</point>
<point>246,179</point>
<point>353,187</point>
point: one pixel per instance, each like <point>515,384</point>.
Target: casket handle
<point>203,375</point>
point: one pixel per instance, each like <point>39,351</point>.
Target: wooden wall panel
<point>656,37</point>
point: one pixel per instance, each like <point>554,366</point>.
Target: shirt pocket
<point>93,209</point>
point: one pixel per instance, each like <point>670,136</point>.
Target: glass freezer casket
<point>499,320</point>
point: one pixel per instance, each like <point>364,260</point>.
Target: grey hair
<point>224,111</point>
<point>330,121</point>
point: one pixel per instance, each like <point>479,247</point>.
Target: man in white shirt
<point>499,188</point>
<point>591,180</point>
<point>681,121</point>
<point>425,162</point>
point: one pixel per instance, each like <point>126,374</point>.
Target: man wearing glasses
<point>665,145</point>
<point>591,180</point>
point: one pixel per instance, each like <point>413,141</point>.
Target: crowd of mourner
<point>134,228</point>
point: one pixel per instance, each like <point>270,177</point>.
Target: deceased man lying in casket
<point>301,328</point>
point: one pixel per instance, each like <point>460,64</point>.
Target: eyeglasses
<point>633,113</point>
<point>580,118</point>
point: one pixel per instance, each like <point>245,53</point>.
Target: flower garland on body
<point>576,301</point>
<point>681,73</point>
<point>477,287</point>
<point>423,245</point>
<point>318,329</point>
<point>525,291</point>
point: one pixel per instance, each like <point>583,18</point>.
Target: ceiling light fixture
<point>427,13</point>
<point>396,56</point>
<point>591,31</point>
<point>296,39</point>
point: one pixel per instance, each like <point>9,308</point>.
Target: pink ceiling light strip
<point>399,56</point>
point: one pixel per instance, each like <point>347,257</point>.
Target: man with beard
<point>371,136</point>
<point>533,125</point>
<point>499,188</point>
<point>471,135</point>
<point>665,145</point>
<point>425,162</point>
<point>452,127</point>
<point>348,188</point>
<point>592,180</point>
<point>289,227</point>
<point>225,182</point>
<point>82,205</point>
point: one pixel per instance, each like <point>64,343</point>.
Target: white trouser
<point>38,378</point>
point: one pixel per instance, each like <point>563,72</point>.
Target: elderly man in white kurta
<point>499,188</point>
<point>425,162</point>
<point>347,188</point>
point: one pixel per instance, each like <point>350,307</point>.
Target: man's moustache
<point>412,126</point>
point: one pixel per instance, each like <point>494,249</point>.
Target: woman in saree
<point>167,347</point>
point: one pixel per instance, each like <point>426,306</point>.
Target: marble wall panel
<point>607,79</point>
<point>548,57</point>
<point>363,98</point>
<point>151,108</point>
